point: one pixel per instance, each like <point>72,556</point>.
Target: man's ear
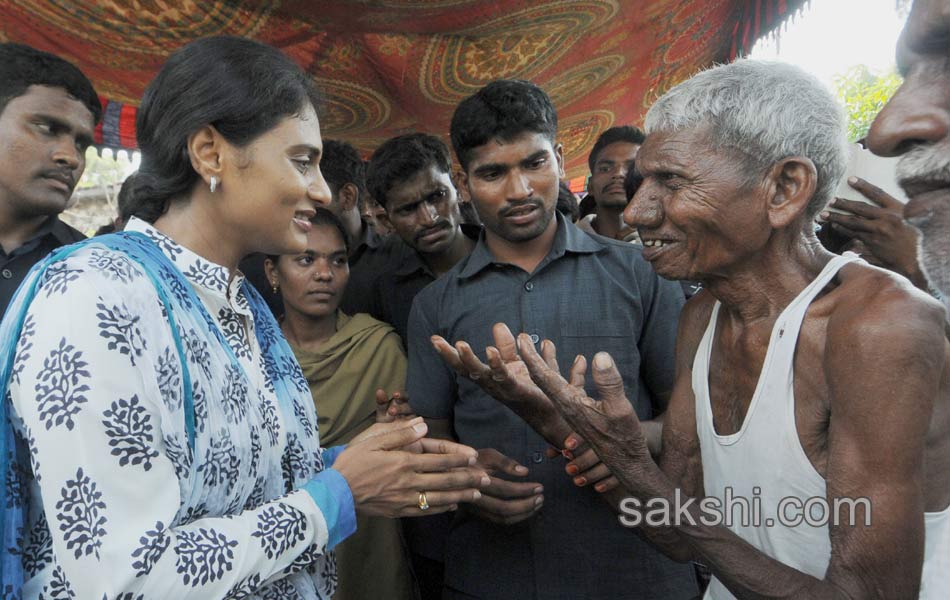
<point>206,151</point>
<point>793,181</point>
<point>348,197</point>
<point>461,178</point>
<point>559,155</point>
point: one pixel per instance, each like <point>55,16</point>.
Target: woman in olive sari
<point>345,360</point>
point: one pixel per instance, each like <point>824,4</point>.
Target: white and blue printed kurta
<point>119,507</point>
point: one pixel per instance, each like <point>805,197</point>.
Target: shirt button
<point>7,273</point>
<point>529,286</point>
<point>535,338</point>
<point>537,457</point>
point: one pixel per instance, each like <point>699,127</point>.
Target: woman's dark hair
<point>324,217</point>
<point>241,87</point>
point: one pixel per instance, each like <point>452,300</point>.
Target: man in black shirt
<point>48,112</point>
<point>410,176</point>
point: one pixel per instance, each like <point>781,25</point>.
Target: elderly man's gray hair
<point>766,110</point>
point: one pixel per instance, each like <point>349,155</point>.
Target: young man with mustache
<point>611,158</point>
<point>409,176</point>
<point>48,111</point>
<point>539,534</point>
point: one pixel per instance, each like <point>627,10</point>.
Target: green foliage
<point>863,94</point>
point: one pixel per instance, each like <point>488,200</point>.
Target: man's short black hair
<point>623,133</point>
<point>503,109</point>
<point>341,164</point>
<point>401,157</point>
<point>22,66</point>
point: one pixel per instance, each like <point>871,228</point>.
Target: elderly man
<point>916,124</point>
<point>812,387</point>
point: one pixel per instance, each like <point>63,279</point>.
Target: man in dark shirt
<point>344,171</point>
<point>410,176</point>
<point>48,111</point>
<point>552,539</point>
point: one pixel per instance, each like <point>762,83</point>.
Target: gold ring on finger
<point>423,502</point>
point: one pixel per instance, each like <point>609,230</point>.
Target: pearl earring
<point>214,183</point>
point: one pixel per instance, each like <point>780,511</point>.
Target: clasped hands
<point>390,465</point>
<point>602,439</point>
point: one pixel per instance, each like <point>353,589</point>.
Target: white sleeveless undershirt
<point>765,463</point>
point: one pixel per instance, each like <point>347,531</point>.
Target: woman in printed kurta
<point>158,437</point>
<point>345,359</point>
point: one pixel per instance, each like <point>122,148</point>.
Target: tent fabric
<point>388,67</point>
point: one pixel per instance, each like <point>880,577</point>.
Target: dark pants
<point>429,575</point>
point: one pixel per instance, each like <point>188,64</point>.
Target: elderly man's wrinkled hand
<point>504,378</point>
<point>610,426</point>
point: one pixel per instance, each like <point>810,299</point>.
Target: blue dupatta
<point>182,307</point>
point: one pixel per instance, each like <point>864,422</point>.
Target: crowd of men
<point>795,373</point>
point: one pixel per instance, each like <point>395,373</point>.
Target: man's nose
<point>645,209</point>
<point>427,213</point>
<point>519,187</point>
<point>915,115</point>
<point>66,153</point>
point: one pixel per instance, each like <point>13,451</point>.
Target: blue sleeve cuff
<point>330,454</point>
<point>332,495</point>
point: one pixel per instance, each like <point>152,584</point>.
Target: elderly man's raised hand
<point>504,378</point>
<point>387,470</point>
<point>609,425</point>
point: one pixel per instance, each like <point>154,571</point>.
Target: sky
<point>830,36</point>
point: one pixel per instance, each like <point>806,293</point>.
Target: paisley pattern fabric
<point>161,439</point>
<point>392,66</point>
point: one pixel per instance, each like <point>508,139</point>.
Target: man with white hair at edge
<point>813,384</point>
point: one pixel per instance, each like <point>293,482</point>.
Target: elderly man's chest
<point>736,377</point>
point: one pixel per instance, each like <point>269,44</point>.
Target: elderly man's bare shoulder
<point>869,299</point>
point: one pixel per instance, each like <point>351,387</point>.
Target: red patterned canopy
<point>393,66</point>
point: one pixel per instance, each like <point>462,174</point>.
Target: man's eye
<point>304,261</point>
<point>45,128</point>
<point>537,164</point>
<point>302,164</point>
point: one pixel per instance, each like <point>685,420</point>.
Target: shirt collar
<point>199,271</point>
<point>567,239</point>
